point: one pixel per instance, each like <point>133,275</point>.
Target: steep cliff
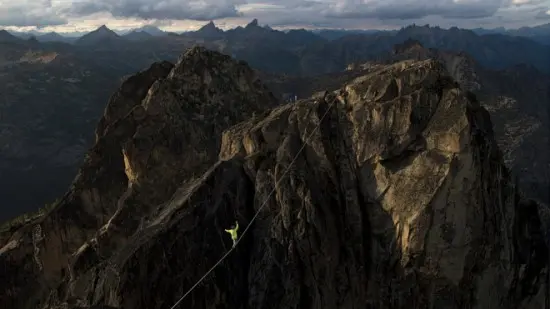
<point>161,127</point>
<point>388,193</point>
<point>517,99</point>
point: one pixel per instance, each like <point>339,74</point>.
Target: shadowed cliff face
<point>161,127</point>
<point>388,193</point>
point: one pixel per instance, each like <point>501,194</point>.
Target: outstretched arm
<point>236,225</point>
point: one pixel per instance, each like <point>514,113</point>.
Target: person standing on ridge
<point>233,232</point>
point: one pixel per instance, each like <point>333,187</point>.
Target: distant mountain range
<point>540,33</point>
<point>138,35</point>
<point>152,30</point>
<point>47,37</point>
<point>72,37</point>
<point>100,35</point>
<point>53,92</point>
<point>305,52</point>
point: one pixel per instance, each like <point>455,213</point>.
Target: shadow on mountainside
<point>389,193</point>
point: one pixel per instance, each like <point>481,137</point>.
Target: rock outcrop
<point>516,98</point>
<point>37,148</point>
<point>388,193</point>
<point>163,126</point>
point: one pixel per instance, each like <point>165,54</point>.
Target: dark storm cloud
<point>408,9</point>
<point>23,13</point>
<point>395,13</point>
<point>284,13</point>
<point>159,9</point>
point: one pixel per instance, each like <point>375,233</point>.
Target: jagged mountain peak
<point>103,30</point>
<point>101,34</point>
<point>391,186</point>
<point>254,23</point>
<point>161,126</point>
<point>209,25</point>
<point>203,58</point>
<point>210,30</point>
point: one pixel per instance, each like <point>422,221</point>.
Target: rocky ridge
<point>35,89</point>
<point>399,199</point>
<point>160,128</point>
<point>517,99</point>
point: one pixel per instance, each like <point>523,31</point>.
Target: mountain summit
<point>208,27</point>
<point>208,31</point>
<point>520,113</point>
<point>163,125</point>
<point>389,192</point>
<point>5,36</point>
<point>100,35</point>
<point>103,31</point>
<point>252,24</point>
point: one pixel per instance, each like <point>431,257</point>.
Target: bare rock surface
<point>388,193</point>
<point>161,127</point>
<point>518,100</point>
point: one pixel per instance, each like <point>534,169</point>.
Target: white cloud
<point>191,14</point>
<point>543,14</point>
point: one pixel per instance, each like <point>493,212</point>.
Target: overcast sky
<point>181,15</point>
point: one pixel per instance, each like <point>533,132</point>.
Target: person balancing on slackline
<point>233,232</point>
